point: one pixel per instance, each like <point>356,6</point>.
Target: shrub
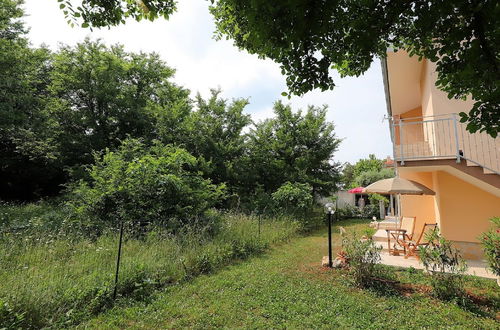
<point>362,257</point>
<point>348,212</point>
<point>445,265</point>
<point>294,198</point>
<point>144,185</point>
<point>491,246</point>
<point>370,211</point>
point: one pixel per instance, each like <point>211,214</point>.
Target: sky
<point>185,42</point>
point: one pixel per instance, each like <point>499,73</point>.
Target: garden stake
<point>118,260</point>
<point>259,224</point>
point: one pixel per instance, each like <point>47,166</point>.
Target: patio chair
<point>400,235</point>
<point>413,246</point>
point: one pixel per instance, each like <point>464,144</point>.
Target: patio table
<point>394,251</point>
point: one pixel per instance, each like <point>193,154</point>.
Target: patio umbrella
<point>398,186</point>
<point>357,190</point>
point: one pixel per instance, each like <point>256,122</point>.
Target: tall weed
<point>61,281</point>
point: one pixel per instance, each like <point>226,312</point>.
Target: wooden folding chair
<point>413,246</point>
<point>401,234</point>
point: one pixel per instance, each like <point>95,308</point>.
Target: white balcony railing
<point>443,137</point>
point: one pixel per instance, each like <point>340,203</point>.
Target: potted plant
<point>491,247</point>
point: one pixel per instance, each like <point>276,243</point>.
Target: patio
<point>475,267</point>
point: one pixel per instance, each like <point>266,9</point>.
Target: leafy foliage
<point>102,13</point>
<point>352,212</point>
<point>445,265</point>
<point>308,39</point>
<point>294,197</point>
<point>88,98</point>
<point>216,134</point>
<point>145,185</point>
<point>362,257</point>
<point>491,246</point>
<point>365,172</point>
<point>294,147</point>
<point>115,95</point>
<point>28,155</point>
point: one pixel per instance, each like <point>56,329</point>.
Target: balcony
<point>443,137</point>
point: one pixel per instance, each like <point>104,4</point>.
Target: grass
<point>58,282</point>
<point>287,288</point>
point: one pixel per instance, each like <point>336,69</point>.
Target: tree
<point>366,178</point>
<point>57,109</point>
<point>365,172</point>
<point>100,96</point>
<point>159,185</point>
<point>294,147</point>
<point>28,163</point>
<point>309,38</point>
<point>216,134</point>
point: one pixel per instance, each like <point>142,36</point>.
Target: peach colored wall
<point>412,132</point>
<point>404,81</point>
<point>441,104</point>
<point>465,209</point>
<point>461,209</point>
<point>425,87</point>
<point>421,207</point>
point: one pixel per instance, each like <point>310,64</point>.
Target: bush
<point>491,246</point>
<point>362,257</point>
<point>445,265</point>
<point>294,198</point>
<point>142,185</point>
<point>350,212</point>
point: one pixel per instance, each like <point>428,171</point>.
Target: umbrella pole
<point>400,207</point>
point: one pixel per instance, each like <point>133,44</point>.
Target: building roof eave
<point>385,77</point>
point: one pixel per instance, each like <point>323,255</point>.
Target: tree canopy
<point>364,172</point>
<point>309,38</point>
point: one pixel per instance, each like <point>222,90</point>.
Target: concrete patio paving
<point>475,267</point>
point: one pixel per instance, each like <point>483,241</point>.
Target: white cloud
<point>186,43</point>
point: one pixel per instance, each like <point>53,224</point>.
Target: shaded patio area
<point>475,267</point>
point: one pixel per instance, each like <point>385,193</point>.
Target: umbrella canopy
<point>357,190</point>
<point>398,186</point>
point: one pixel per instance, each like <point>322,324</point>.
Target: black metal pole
<point>330,261</point>
<point>118,259</point>
<point>259,223</point>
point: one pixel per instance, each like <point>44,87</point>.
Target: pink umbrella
<point>357,190</point>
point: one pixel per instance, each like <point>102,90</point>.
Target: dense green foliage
<point>58,281</point>
<point>60,108</point>
<point>353,212</point>
<point>364,172</point>
<point>445,266</point>
<point>100,95</point>
<point>362,256</point>
<point>491,246</point>
<point>308,39</point>
<point>160,185</point>
<point>294,147</point>
<point>294,198</point>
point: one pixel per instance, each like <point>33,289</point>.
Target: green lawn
<point>287,288</point>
